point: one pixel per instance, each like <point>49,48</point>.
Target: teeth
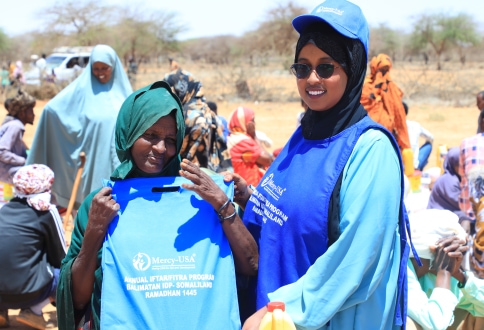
<point>315,92</point>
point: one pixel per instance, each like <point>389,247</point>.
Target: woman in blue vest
<point>328,214</point>
<point>149,134</point>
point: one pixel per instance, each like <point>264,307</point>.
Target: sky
<point>207,18</point>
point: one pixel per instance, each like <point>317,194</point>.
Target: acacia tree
<point>275,34</point>
<point>85,21</point>
<point>443,32</point>
<point>140,35</point>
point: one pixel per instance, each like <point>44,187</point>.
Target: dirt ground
<point>448,124</point>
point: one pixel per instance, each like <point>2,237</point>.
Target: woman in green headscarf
<point>149,133</point>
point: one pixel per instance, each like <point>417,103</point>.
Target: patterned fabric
<point>34,182</point>
<point>382,98</point>
<point>204,142</point>
<point>471,201</point>
<point>471,155</point>
<point>21,102</point>
<point>185,85</point>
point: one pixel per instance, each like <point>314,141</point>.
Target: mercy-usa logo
<point>272,188</point>
<point>141,261</point>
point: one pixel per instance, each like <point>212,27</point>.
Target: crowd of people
<point>320,224</point>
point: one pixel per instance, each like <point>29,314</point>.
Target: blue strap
<point>405,244</point>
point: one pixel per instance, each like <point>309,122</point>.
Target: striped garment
<point>471,156</point>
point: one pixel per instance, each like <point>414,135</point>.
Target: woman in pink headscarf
<point>31,231</point>
<point>249,159</point>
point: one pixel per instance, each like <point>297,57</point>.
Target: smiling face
<point>102,71</point>
<point>156,146</point>
<point>320,94</point>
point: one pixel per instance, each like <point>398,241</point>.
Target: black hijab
<point>351,55</point>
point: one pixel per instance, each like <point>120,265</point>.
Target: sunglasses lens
<point>300,70</point>
<point>325,70</point>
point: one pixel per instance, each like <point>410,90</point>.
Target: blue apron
<point>166,261</point>
<point>297,244</point>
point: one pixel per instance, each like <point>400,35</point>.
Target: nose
<point>313,77</point>
<point>160,147</point>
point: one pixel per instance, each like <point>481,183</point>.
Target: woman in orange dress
<point>249,158</point>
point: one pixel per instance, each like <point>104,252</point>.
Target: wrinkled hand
<point>202,184</point>
<point>449,254</point>
<point>103,209</point>
<point>242,191</point>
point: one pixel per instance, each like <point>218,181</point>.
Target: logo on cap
<point>329,10</point>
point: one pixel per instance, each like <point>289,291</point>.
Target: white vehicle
<point>60,67</point>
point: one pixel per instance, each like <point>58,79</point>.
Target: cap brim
<point>300,23</point>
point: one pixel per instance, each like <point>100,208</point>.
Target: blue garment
<point>82,117</point>
<point>423,155</point>
<point>177,272</point>
<point>358,281</point>
<point>226,131</point>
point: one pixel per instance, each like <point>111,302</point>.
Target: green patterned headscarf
<point>139,112</point>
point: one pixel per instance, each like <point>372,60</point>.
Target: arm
<point>10,137</point>
<point>368,245</point>
<point>102,211</point>
<point>434,312</point>
<point>243,245</point>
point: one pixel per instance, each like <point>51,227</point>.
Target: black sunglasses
<point>302,71</point>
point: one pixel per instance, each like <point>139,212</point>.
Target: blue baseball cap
<point>344,16</point>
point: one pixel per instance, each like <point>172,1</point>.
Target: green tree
<point>444,32</point>
<point>84,20</point>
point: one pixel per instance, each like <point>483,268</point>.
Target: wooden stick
<point>77,181</point>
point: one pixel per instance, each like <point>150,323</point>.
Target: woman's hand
<point>241,191</point>
<point>243,245</point>
<point>103,210</point>
<point>202,184</point>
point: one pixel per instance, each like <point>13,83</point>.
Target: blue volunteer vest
<point>308,236</point>
<point>166,261</point>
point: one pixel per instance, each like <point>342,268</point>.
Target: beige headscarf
<point>430,225</point>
